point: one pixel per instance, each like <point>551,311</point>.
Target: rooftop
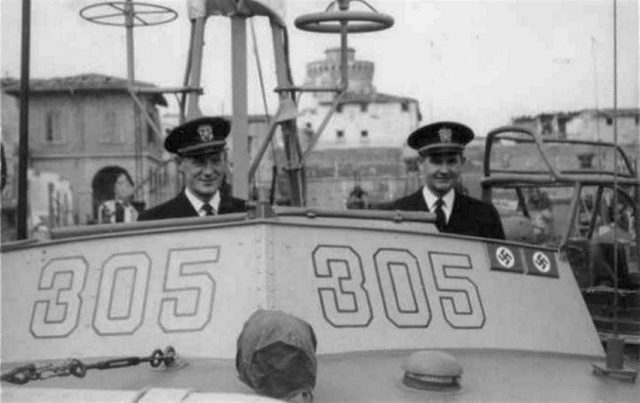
<point>374,97</point>
<point>90,82</point>
<point>607,112</point>
<point>626,112</point>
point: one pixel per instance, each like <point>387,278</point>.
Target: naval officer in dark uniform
<point>440,146</point>
<point>200,146</point>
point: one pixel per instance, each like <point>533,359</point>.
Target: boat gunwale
<point>281,217</point>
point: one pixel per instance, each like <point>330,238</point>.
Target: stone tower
<point>326,73</point>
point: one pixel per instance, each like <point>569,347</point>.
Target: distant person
<point>540,210</point>
<point>539,199</point>
<point>585,213</point>
<point>120,208</point>
<point>200,146</point>
<point>440,146</point>
<point>357,199</point>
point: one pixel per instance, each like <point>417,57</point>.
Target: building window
<point>412,165</point>
<point>52,130</point>
<point>339,108</point>
<point>609,121</point>
<point>111,133</point>
<point>364,107</point>
<point>49,130</point>
<point>404,106</point>
<point>151,135</point>
<point>546,123</point>
<point>637,119</point>
<point>152,181</point>
<point>340,135</point>
<point>364,134</point>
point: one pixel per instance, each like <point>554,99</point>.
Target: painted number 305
<point>188,293</point>
<point>402,283</point>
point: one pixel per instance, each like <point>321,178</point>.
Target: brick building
<point>587,124</point>
<point>81,127</point>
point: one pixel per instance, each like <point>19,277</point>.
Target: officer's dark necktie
<point>208,209</point>
<point>441,218</point>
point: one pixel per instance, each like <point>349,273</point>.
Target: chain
<point>30,372</point>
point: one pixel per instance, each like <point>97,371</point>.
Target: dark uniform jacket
<point>469,216</point>
<point>180,207</point>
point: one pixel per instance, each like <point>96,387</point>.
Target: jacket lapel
<point>225,204</point>
<point>458,206</point>
<point>417,200</point>
<point>184,205</point>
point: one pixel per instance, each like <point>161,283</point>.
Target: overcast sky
<point>481,62</point>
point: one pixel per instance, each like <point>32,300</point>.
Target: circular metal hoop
<point>115,13</point>
<point>356,21</point>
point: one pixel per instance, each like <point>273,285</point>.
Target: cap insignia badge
<point>445,135</point>
<point>205,132</point>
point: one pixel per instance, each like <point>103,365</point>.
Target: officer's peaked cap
<point>206,135</point>
<point>440,137</point>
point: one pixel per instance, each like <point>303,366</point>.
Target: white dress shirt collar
<point>430,199</point>
<point>197,203</point>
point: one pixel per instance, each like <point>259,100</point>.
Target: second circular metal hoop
<point>331,22</point>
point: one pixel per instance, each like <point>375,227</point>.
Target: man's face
<point>204,174</point>
<point>442,171</point>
